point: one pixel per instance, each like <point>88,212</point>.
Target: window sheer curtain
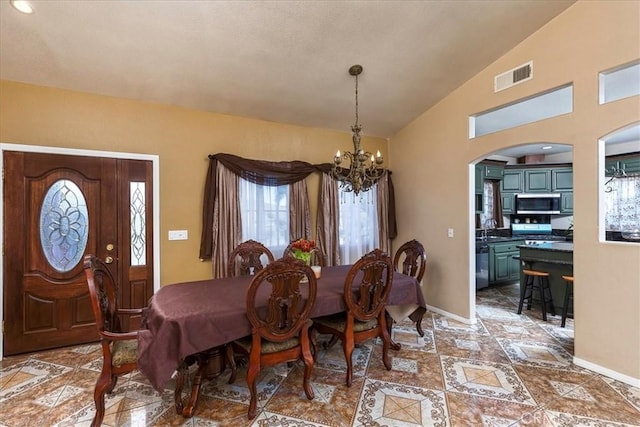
<point>492,206</point>
<point>358,227</point>
<point>622,204</point>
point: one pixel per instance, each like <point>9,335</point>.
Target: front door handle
<point>108,260</point>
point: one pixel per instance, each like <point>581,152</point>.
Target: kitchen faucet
<point>490,223</point>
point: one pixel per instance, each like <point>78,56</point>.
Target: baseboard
<point>635,382</point>
<point>452,316</point>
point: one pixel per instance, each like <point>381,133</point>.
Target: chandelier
<point>363,170</point>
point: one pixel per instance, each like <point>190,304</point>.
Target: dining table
<point>186,319</point>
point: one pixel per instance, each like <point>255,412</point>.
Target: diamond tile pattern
<point>505,370</point>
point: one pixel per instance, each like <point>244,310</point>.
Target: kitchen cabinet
<point>508,203</point>
<point>566,203</point>
<point>512,181</point>
<point>504,265</point>
<point>495,172</point>
<point>479,198</point>
<point>561,179</point>
<point>627,163</point>
<point>537,180</point>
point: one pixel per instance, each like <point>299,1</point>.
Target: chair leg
<point>102,385</point>
<point>307,359</point>
<point>112,385</point>
<point>232,363</point>
<point>543,297</point>
<point>386,344</point>
<point>565,308</point>
<point>348,347</point>
<point>252,375</point>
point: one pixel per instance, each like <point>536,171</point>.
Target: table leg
<point>417,316</point>
<point>210,365</point>
<point>394,345</point>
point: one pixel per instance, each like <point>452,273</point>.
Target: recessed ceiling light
<point>22,6</point>
<point>547,147</point>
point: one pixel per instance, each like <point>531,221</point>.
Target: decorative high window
<point>620,82</point>
<point>552,103</point>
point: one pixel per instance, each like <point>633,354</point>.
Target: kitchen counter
<point>555,258</point>
<point>550,246</point>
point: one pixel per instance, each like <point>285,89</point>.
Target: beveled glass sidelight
<point>64,225</point>
<point>137,205</point>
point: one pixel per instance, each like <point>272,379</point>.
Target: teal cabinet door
<point>566,203</point>
<point>508,202</point>
<point>501,266</point>
<point>562,179</point>
<point>512,181</point>
<point>479,179</point>
<point>514,266</point>
<point>493,172</point>
<point>537,180</point>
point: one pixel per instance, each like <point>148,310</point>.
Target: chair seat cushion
<point>124,352</point>
<point>339,323</point>
<point>268,346</point>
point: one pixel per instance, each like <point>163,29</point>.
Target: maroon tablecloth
<point>187,318</point>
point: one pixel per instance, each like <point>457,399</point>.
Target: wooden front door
<point>57,208</point>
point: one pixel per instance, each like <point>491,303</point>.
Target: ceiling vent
<point>513,77</point>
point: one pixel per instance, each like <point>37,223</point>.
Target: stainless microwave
<point>541,203</point>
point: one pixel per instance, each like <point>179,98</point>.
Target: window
<point>620,83</point>
<point>358,228</point>
<point>541,106</point>
<point>622,205</point>
<point>265,215</point>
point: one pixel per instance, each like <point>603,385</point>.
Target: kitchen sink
<point>493,239</point>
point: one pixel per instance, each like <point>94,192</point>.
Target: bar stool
<point>542,285</point>
<point>568,294</point>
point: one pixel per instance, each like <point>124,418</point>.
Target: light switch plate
<point>178,235</point>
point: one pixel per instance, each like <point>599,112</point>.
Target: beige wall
<point>589,37</point>
<point>182,139</point>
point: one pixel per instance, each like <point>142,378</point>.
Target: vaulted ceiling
<point>284,61</point>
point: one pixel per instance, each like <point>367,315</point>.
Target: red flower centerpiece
<point>302,248</point>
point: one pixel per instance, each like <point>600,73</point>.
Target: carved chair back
<point>413,259</point>
<point>245,259</point>
<point>119,349</point>
<point>374,275</point>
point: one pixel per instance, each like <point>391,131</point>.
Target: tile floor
<point>506,370</point>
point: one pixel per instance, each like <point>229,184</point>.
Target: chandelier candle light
<point>364,169</point>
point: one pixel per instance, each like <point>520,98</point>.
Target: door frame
<point>155,160</point>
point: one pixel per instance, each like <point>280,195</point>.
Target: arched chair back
<point>410,259</point>
<point>366,290</point>
<point>245,260</point>
<point>279,303</point>
<point>119,349</point>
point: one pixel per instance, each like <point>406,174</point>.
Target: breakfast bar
<point>555,258</point>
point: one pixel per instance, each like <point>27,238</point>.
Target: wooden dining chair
<point>410,259</point>
<point>119,349</point>
<point>280,330</point>
<point>317,256</point>
<point>245,259</point>
<point>366,290</point>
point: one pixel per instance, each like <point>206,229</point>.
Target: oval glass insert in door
<point>64,225</point>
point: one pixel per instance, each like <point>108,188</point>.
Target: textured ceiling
<point>284,61</point>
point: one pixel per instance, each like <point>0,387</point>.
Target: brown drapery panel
<point>383,220</point>
<point>327,220</point>
<point>299,216</point>
<point>263,172</point>
<point>227,228</point>
<point>497,204</point>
